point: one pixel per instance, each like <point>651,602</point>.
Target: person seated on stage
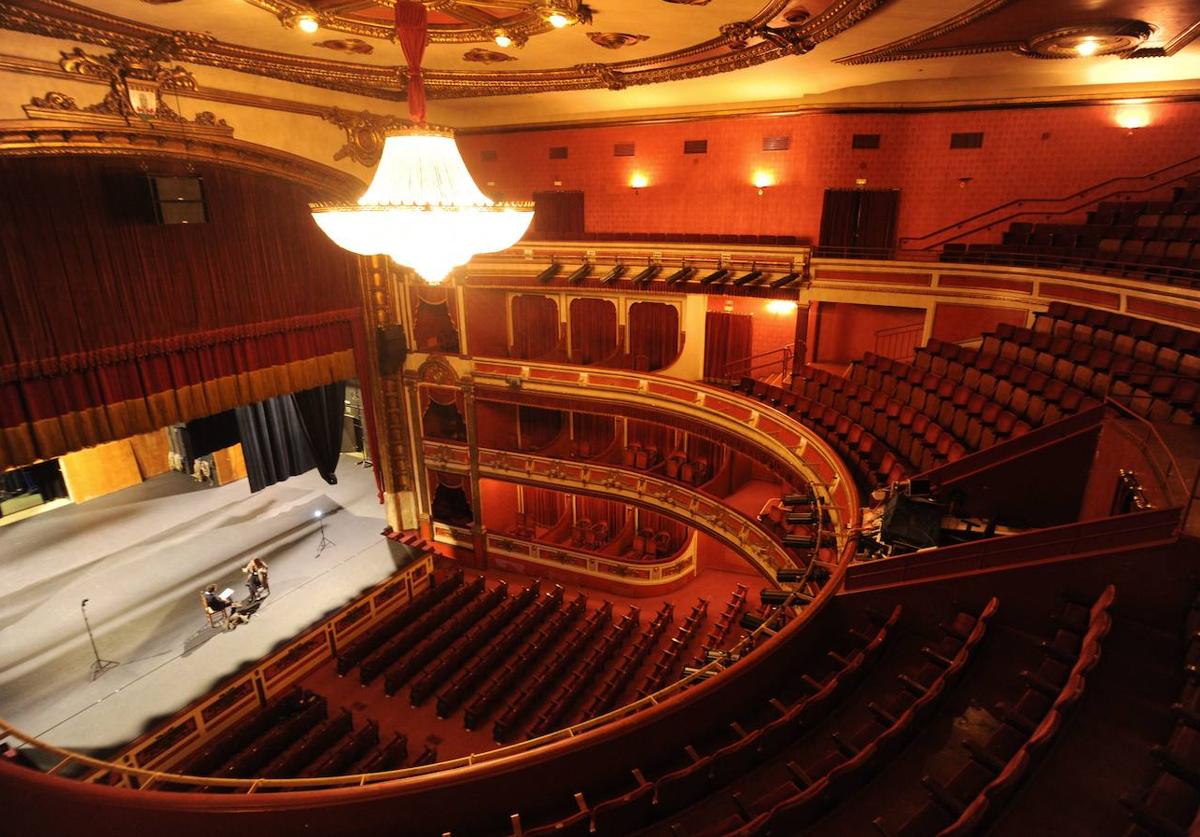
<point>257,578</point>
<point>217,604</point>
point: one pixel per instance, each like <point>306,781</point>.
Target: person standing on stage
<point>256,579</point>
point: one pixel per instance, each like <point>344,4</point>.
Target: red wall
<point>1029,152</point>
<point>487,326</point>
<point>964,322</point>
<point>845,331</point>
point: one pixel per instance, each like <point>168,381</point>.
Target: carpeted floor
<point>140,557</point>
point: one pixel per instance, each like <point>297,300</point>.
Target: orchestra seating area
<point>1155,240</point>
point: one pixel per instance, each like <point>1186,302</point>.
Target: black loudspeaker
<point>392,349</point>
<point>178,200</point>
<point>909,522</point>
<point>789,576</point>
<point>771,597</point>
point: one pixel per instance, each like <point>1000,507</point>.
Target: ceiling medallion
<point>355,45</point>
<point>689,2</point>
<point>487,56</point>
<point>616,40</point>
<point>1113,38</point>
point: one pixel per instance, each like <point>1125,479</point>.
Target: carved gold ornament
<point>615,40</point>
<point>365,132</point>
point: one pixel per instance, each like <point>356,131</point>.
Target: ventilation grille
<point>623,149</point>
<point>865,141</point>
<point>695,146</point>
<point>558,152</point>
<point>488,155</point>
<point>776,143</point>
<point>970,140</point>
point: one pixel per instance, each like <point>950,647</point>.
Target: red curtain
<point>535,326</point>
<point>593,329</point>
<point>411,32</point>
<point>653,335</point>
<point>656,523</point>
<point>111,325</point>
<point>727,340</point>
<point>539,427</point>
<point>598,510</point>
<point>646,433</point>
<point>435,322</point>
<point>557,215</point>
<point>597,431</point>
<point>544,506</point>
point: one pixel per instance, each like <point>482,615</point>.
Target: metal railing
<point>899,342</point>
<point>773,362</point>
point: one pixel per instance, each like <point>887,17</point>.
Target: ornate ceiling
<point>501,61</point>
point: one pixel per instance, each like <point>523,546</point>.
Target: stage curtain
<point>444,421</point>
<point>558,215</point>
<point>321,411</point>
<point>535,326</point>
<point>598,510</point>
<point>543,506</point>
<point>112,325</point>
<point>727,340</point>
<point>210,434</point>
<point>539,427</point>
<point>273,441</point>
<point>593,329</point>
<point>653,335</point>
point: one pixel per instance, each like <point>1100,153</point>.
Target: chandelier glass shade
<point>423,209</point>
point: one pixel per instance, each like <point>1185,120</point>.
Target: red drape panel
<point>538,427</point>
<point>557,215</point>
<point>653,335</point>
<point>727,339</point>
<point>435,323</point>
<point>544,506</point>
<point>411,31</point>
<point>656,523</point>
<point>535,326</point>
<point>646,433</point>
<point>593,329</point>
<point>597,431</point>
<point>598,510</point>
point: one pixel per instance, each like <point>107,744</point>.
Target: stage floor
<point>141,557</point>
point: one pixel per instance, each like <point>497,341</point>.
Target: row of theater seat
<point>694,776</point>
<point>545,673</point>
<point>1158,392</point>
<point>293,736</point>
<point>855,756</point>
<point>581,674</point>
<point>871,461</point>
<point>1170,803</point>
<point>720,630</point>
<point>671,658</point>
<point>991,774</point>
<point>1155,240</point>
<point>606,696</point>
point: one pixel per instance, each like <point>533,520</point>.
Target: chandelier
<point>422,207</point>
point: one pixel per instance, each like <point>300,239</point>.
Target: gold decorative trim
<point>729,52</point>
<point>365,132</point>
<point>49,133</point>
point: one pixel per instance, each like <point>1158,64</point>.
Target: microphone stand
<point>325,542</point>
<point>99,666</point>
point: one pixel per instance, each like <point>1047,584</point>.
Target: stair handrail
<point>742,367</point>
<point>910,240</point>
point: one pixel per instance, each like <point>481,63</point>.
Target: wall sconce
<point>762,179</point>
<point>860,182</point>
<point>1132,117</point>
<point>637,181</point>
<point>727,307</point>
<point>963,182</point>
<point>782,307</point>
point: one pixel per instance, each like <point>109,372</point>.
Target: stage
<point>141,557</point>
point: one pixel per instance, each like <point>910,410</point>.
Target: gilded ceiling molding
<point>365,133</point>
<point>615,40</point>
<point>58,131</point>
<point>745,44</point>
<point>899,49</point>
<point>62,106</point>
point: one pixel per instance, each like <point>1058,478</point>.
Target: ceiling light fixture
<point>308,24</point>
<point>559,13</point>
<point>503,39</point>
<point>422,208</point>
<point>1087,47</point>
